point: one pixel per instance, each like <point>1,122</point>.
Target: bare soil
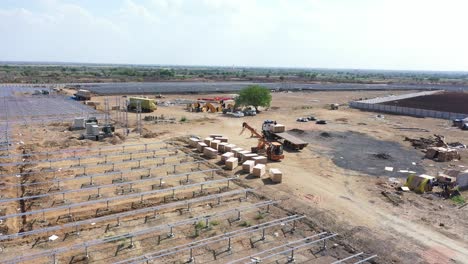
<point>340,195</point>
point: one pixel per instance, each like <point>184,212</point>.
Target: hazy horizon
<point>312,34</point>
<point>78,64</point>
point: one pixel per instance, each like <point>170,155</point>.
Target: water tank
<point>92,129</point>
<point>79,123</point>
<point>95,130</point>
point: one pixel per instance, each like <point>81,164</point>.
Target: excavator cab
<point>275,151</point>
<point>277,148</point>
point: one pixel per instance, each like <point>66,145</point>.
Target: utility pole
<point>106,110</point>
<point>126,118</point>
<point>138,109</point>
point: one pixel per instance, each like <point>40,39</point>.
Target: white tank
<point>92,129</point>
<point>79,123</point>
<point>95,130</point>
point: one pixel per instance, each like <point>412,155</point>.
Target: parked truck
<point>147,105</point>
<point>275,131</point>
<point>82,95</point>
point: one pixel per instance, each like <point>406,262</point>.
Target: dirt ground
<point>420,230</point>
<point>338,179</point>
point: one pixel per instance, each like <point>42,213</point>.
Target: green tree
<point>254,95</point>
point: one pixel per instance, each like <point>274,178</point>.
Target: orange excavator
<point>273,149</point>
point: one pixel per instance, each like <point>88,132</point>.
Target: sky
<point>358,34</point>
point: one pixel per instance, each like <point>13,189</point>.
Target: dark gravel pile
<point>360,152</point>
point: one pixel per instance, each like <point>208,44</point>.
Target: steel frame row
<point>86,245</point>
<point>116,198</point>
<point>120,216</point>
<point>86,150</point>
<point>105,174</point>
<point>103,164</point>
<point>219,238</point>
<point>103,186</point>
<point>291,247</point>
<point>80,158</point>
<point>355,256</point>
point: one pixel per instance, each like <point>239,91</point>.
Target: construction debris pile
<point>436,148</point>
<point>160,119</point>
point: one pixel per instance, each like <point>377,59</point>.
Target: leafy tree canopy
<point>254,95</point>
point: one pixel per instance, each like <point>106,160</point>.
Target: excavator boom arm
<point>251,129</point>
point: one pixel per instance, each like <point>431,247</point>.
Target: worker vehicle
<point>273,149</point>
<point>311,118</point>
<point>321,122</point>
<point>82,95</point>
<point>238,114</point>
<point>274,131</point>
<point>302,119</point>
<point>250,112</point>
<point>147,105</point>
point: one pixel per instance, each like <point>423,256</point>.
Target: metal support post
<point>171,233</point>
<point>191,259</point>
<point>291,257</point>
<point>229,248</point>
<point>131,243</point>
